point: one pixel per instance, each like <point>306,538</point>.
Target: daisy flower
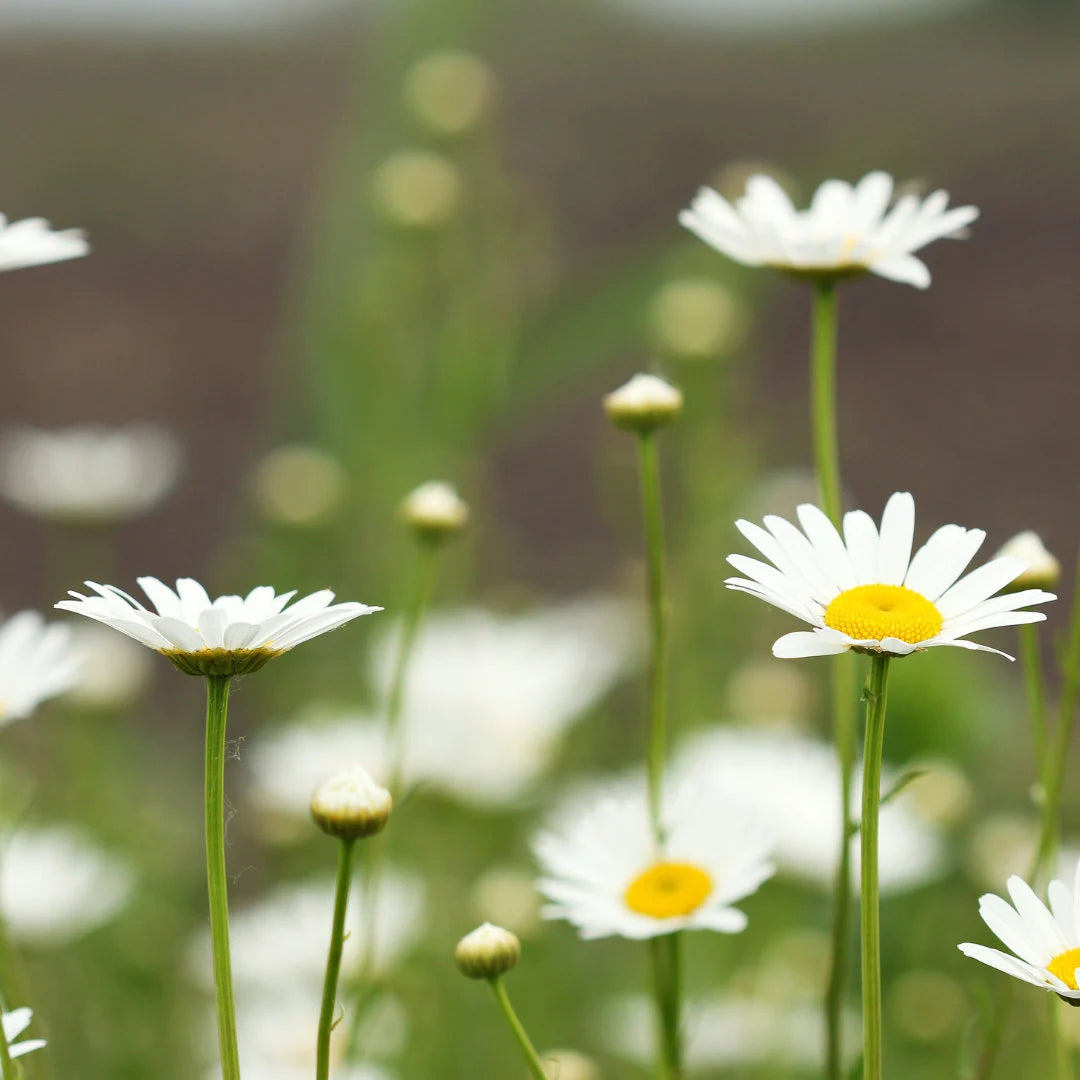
<point>37,662</point>
<point>602,870</point>
<point>231,635</point>
<point>848,230</point>
<point>1046,942</point>
<point>15,1023</point>
<point>865,590</point>
<point>88,474</point>
<point>31,242</point>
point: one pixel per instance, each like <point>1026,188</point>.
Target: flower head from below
<point>231,635</point>
<point>31,242</point>
<point>435,510</point>
<point>604,872</point>
<point>848,230</point>
<point>643,404</point>
<point>1046,942</point>
<point>865,590</point>
<point>350,805</point>
<point>15,1023</point>
<point>1043,569</point>
<point>37,661</point>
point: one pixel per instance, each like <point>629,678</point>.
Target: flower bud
<point>569,1065</point>
<point>435,510</point>
<point>350,805</point>
<point>1043,572</point>
<point>488,952</point>
<point>643,404</point>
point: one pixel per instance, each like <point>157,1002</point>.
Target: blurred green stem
<point>333,960</point>
<point>667,977</point>
<point>827,466</point>
<point>7,1066</point>
<point>217,709</point>
<point>874,741</point>
<point>1063,1052</point>
<point>1031,662</point>
<point>532,1058</point>
<point>652,513</point>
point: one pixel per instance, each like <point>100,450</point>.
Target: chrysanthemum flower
<point>866,591</point>
<point>603,872</point>
<point>846,231</point>
<point>231,635</point>
<point>31,242</point>
<point>87,473</point>
<point>37,662</point>
<point>1046,942</point>
<point>15,1023</point>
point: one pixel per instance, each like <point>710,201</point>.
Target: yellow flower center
<point>1064,967</point>
<point>669,889</point>
<point>883,611</point>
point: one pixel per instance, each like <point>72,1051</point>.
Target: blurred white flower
<point>435,509</point>
<point>417,189</point>
<point>37,661</point>
<point>32,242</point>
<point>86,473</point>
<point>790,783</point>
<point>769,692</point>
<point>56,885</point>
<point>450,92</point>
<point>231,635</point>
<point>695,318</point>
<point>114,672</point>
<point>728,1032</point>
<point>1043,569</point>
<point>847,230</point>
<point>603,871</point>
<point>299,485</point>
<point>280,942</point>
<point>506,896</point>
<point>14,1024</point>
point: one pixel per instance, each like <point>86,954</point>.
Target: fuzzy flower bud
<point>417,189</point>
<point>450,92</point>
<point>435,510</point>
<point>643,404</point>
<point>1043,572</point>
<point>350,805</point>
<point>488,952</point>
<point>695,318</point>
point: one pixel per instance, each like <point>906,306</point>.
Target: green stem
<point>1062,1051</point>
<point>1031,662</point>
<point>666,962</point>
<point>652,512</point>
<point>333,960</point>
<point>874,741</point>
<point>532,1058</point>
<point>217,708</point>
<point>7,1066</point>
<point>823,397</point>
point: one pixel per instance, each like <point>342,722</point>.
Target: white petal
<point>828,544</point>
<point>906,269</point>
<point>861,538</point>
<point>804,643</point>
<point>979,585</point>
<point>897,532</point>
<point>942,559</point>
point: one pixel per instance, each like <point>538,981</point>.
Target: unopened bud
<point>350,805</point>
<point>488,952</point>
<point>1043,572</point>
<point>435,510</point>
<point>643,404</point>
<point>569,1065</point>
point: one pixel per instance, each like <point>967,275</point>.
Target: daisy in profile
<point>1044,943</point>
<point>38,661</point>
<point>88,474</point>
<point>32,242</point>
<point>231,635</point>
<point>848,229</point>
<point>866,591</point>
<point>603,873</point>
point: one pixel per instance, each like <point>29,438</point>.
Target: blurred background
<point>341,249</point>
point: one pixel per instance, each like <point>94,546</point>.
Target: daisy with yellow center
<point>1045,941</point>
<point>603,872</point>
<point>864,589</point>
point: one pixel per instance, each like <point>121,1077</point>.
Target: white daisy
<point>37,662</point>
<point>867,592</point>
<point>790,784</point>
<point>31,242</point>
<point>847,230</point>
<point>604,873</point>
<point>1046,941</point>
<point>56,885</point>
<point>86,473</point>
<point>15,1023</point>
<point>231,635</point>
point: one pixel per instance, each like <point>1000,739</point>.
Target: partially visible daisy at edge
<point>33,242</point>
<point>1045,941</point>
<point>866,591</point>
<point>14,1024</point>
<point>231,635</point>
<point>38,661</point>
<point>603,873</point>
<point>847,230</point>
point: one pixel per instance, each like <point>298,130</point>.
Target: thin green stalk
<point>666,963</point>
<point>1031,662</point>
<point>7,1066</point>
<point>823,397</point>
<point>532,1058</point>
<point>652,512</point>
<point>217,709</point>
<point>333,959</point>
<point>1063,1059</point>
<point>874,741</point>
